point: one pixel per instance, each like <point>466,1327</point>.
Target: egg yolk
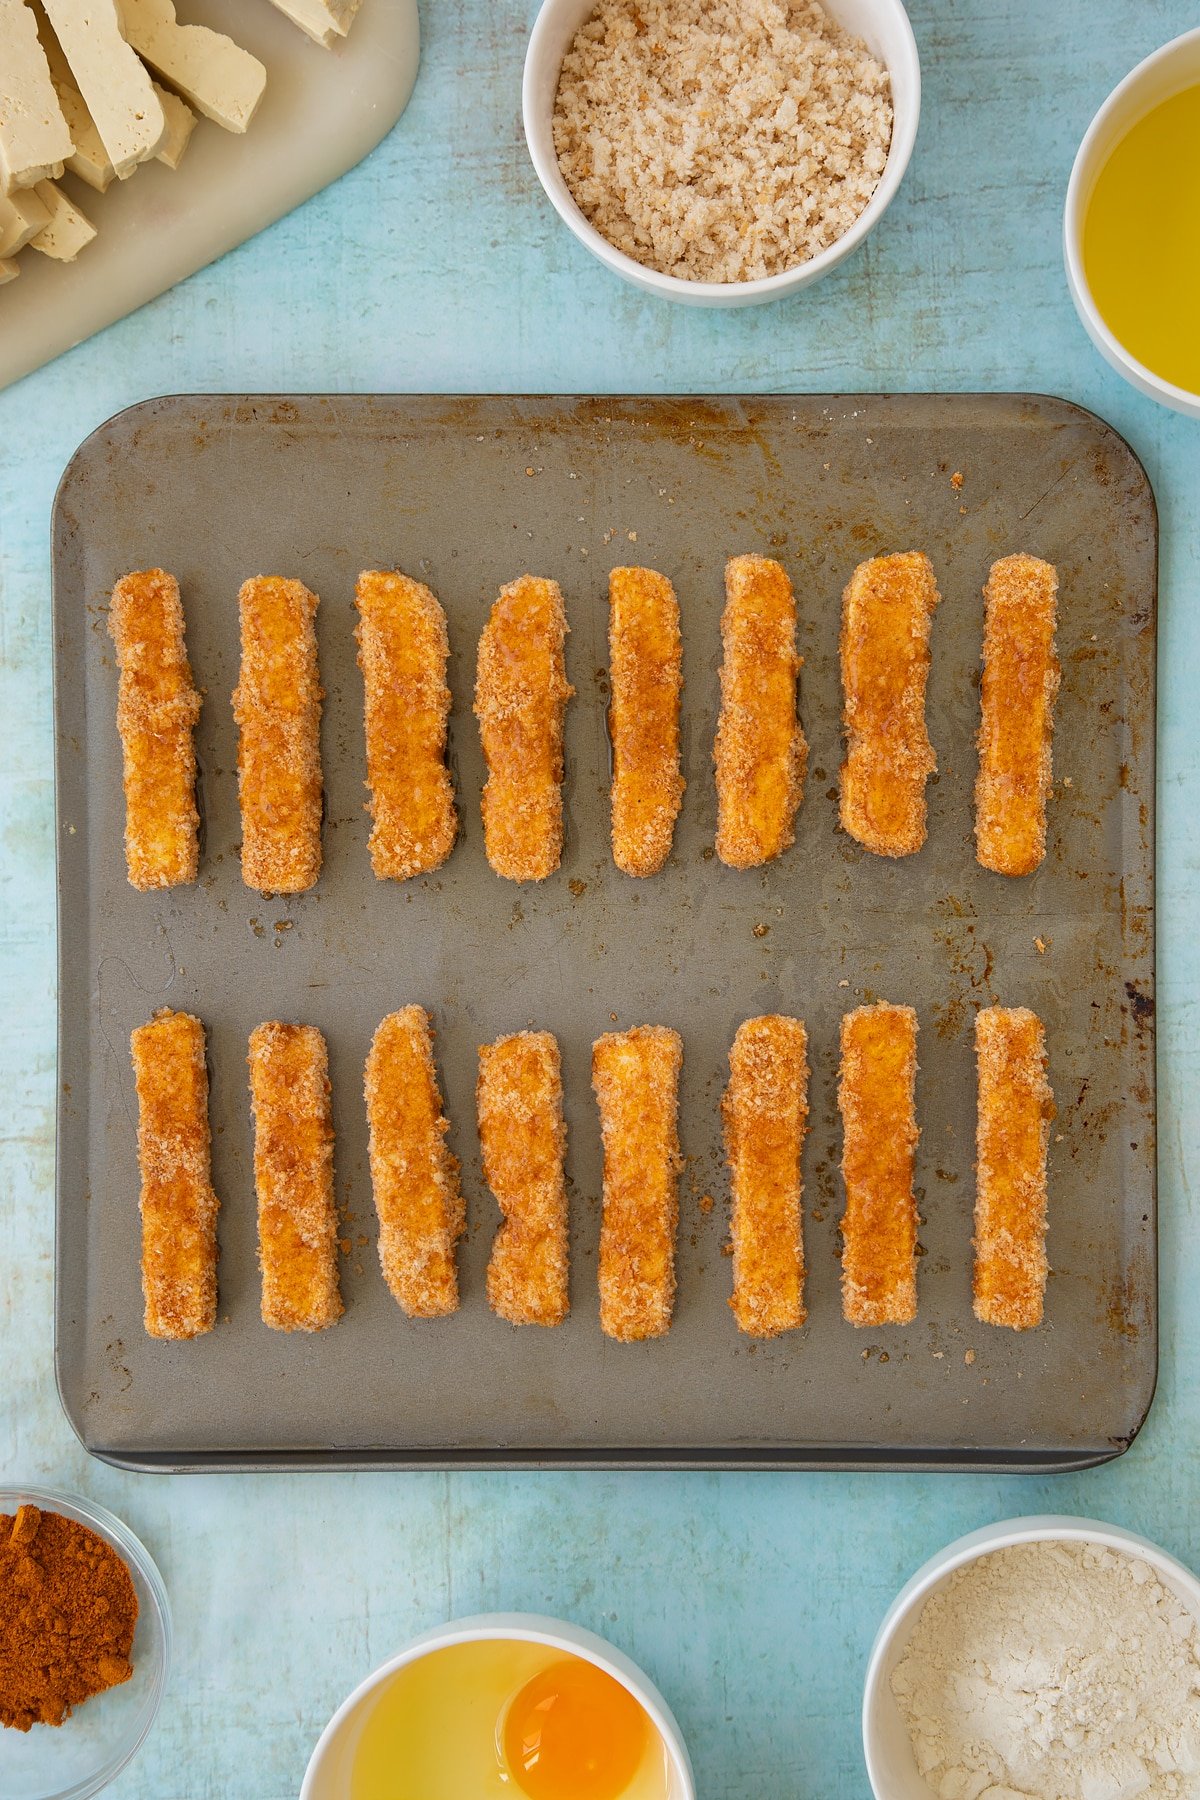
<point>574,1733</point>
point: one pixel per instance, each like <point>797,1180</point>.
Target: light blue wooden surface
<point>438,265</point>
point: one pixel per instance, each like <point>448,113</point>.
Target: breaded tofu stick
<point>887,614</point>
<point>524,1140</point>
<point>521,694</point>
<point>413,1174</point>
<point>879,1226</point>
<point>760,752</point>
<point>178,1205</point>
<point>293,1175</point>
<point>403,649</point>
<point>157,709</point>
<point>1020,682</point>
<point>765,1111</point>
<point>646,673</point>
<point>277,705</point>
<point>635,1075</point>
<point>1016,1106</point>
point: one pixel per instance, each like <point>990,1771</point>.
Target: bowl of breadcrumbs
<point>721,152</point>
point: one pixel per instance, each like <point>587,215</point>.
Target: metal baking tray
<point>466,493</point>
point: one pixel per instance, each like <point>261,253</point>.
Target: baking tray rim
<point>949,1460</point>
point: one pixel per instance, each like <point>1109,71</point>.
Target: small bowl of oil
<point>1131,232</point>
<point>505,1706</point>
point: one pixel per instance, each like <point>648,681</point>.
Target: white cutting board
<point>323,110</point>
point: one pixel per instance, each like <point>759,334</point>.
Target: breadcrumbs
<point>720,140</point>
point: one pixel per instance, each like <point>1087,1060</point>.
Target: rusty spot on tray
<point>1141,1004</point>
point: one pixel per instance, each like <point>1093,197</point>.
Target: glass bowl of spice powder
<point>85,1643</point>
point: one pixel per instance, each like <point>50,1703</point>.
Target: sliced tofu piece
<point>69,230</point>
<point>220,80</point>
<point>89,159</point>
<point>35,140</point>
<point>22,216</point>
<point>323,20</point>
<point>8,270</point>
<point>181,122</point>
<point>112,79</point>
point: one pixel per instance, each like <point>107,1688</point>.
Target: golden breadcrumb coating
<point>765,1112</point>
<point>403,649</point>
<point>521,694</point>
<point>293,1175</point>
<point>1016,1107</point>
<point>760,752</point>
<point>646,674</point>
<point>879,1226</point>
<point>277,705</point>
<point>1020,683</point>
<point>635,1075</point>
<point>887,614</point>
<point>178,1205</point>
<point>413,1174</point>
<point>524,1140</point>
<point>157,709</point>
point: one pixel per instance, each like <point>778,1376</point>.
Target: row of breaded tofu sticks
<point>522,1134</point>
<point>521,694</point>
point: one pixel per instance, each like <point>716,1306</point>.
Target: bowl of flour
<point>1041,1659</point>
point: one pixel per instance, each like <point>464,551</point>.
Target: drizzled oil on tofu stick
<point>1016,1107</point>
<point>277,706</point>
<point>646,675</point>
<point>413,1174</point>
<point>887,613</point>
<point>35,140</point>
<point>635,1075</point>
<point>760,750</point>
<point>879,1226</point>
<point>403,649</point>
<point>178,1205</point>
<point>157,709</point>
<point>293,1177</point>
<point>765,1111</point>
<point>521,694</point>
<point>112,79</point>
<point>524,1139</point>
<point>1020,683</point>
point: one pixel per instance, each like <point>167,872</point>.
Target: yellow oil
<point>505,1720</point>
<point>1141,241</point>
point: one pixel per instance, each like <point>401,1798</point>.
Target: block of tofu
<point>22,216</point>
<point>9,270</point>
<point>181,122</point>
<point>113,80</point>
<point>89,159</point>
<point>35,140</point>
<point>69,230</point>
<point>323,20</point>
<point>220,79</point>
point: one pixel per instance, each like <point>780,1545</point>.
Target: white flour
<point>1054,1672</point>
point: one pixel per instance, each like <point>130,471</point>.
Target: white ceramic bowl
<point>884,28</point>
<point>890,1763</point>
<point>328,1774</point>
<point>87,1752</point>
<point>1162,74</point>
